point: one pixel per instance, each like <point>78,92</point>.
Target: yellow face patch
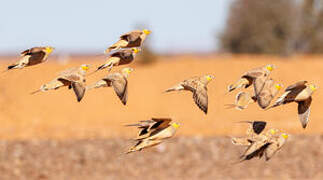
<point>312,87</point>
<point>285,136</point>
<point>175,125</point>
<point>272,131</point>
<point>146,31</point>
<point>270,67</point>
<point>278,86</point>
<point>135,50</point>
<point>49,49</point>
<point>85,68</point>
<point>209,78</point>
<point>128,70</point>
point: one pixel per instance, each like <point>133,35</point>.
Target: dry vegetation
<point>179,158</point>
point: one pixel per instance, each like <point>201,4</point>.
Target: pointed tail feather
<point>174,88</point>
<point>250,122</point>
<point>230,106</point>
<point>34,92</point>
<point>231,88</point>
<point>128,125</point>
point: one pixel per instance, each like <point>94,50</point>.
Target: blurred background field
<point>52,136</point>
<point>57,114</point>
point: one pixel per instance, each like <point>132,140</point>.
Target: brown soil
<point>179,158</point>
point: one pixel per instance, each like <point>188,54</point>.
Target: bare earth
<point>179,158</point>
<point>42,135</point>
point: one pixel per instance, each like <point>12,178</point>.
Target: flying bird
<point>131,39</point>
<point>121,57</point>
<point>301,93</point>
<point>153,132</point>
<point>118,81</point>
<point>276,144</point>
<point>197,85</point>
<point>256,77</point>
<point>32,56</point>
<point>73,78</point>
<point>268,146</point>
<point>267,94</point>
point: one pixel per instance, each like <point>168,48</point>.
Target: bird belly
<point>303,95</point>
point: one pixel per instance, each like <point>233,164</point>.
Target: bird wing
<point>131,36</point>
<point>255,149</point>
<point>259,84</point>
<point>271,150</point>
<point>242,141</point>
<point>258,126</point>
<point>31,51</point>
<point>265,96</point>
<point>79,90</point>
<point>125,56</point>
<point>161,123</point>
<point>36,58</point>
<point>255,73</point>
<point>298,85</point>
<point>70,77</point>
<point>304,111</point>
<point>120,86</point>
<point>143,127</point>
<point>200,98</point>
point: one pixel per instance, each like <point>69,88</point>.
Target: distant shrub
<point>274,27</point>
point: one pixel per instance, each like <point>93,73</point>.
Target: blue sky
<point>91,25</point>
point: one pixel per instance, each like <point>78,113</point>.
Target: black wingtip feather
<point>11,67</point>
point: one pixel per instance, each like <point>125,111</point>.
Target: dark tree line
<point>274,27</point>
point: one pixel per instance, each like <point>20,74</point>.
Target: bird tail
<point>250,122</point>
<point>130,125</point>
<point>230,106</point>
<point>231,87</point>
<point>174,88</point>
<point>131,150</point>
<point>34,92</point>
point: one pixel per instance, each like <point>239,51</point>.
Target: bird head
<point>273,131</point>
<point>146,31</point>
<point>270,67</point>
<point>175,125</point>
<point>135,50</point>
<point>284,135</point>
<point>313,87</point>
<point>127,70</point>
<point>49,49</point>
<point>278,86</point>
<point>85,67</point>
<point>209,77</point>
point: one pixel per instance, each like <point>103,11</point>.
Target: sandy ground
<point>57,114</point>
<point>177,159</point>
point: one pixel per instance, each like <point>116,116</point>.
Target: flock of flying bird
<point>155,131</point>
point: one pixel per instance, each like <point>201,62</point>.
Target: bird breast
<point>303,95</point>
